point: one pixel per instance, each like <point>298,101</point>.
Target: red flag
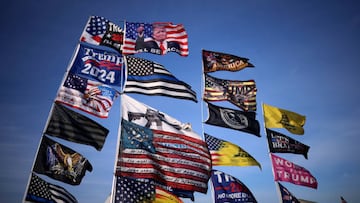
<point>287,171</point>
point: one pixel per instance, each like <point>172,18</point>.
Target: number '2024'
<point>100,74</point>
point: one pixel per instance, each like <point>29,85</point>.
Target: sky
<point>306,57</point>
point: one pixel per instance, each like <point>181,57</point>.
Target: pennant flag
<point>280,143</point>
<point>287,171</point>
<point>144,115</point>
<point>132,190</point>
<point>147,77</point>
<point>100,31</point>
<point>163,196</point>
<point>60,162</point>
<point>89,96</point>
<point>216,61</point>
<point>224,153</point>
<point>229,189</point>
<point>98,64</point>
<point>236,120</point>
<point>240,93</point>
<point>41,191</point>
<point>281,118</point>
<point>156,38</point>
<point>72,126</point>
<point>171,159</point>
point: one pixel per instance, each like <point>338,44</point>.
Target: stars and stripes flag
<point>150,78</point>
<point>174,160</point>
<point>100,31</point>
<point>240,93</point>
<point>132,190</point>
<point>224,153</point>
<point>89,96</point>
<point>41,191</point>
<point>139,37</point>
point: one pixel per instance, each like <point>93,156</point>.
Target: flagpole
<point>48,119</point>
<point>202,86</point>
<point>112,193</point>
<point>272,166</point>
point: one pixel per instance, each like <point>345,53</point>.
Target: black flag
<point>234,119</point>
<point>72,126</point>
<point>60,162</point>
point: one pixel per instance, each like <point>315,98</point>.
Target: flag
<point>132,190</point>
<point>43,192</point>
<point>286,196</point>
<point>144,115</point>
<point>216,61</point>
<point>72,126</point>
<point>156,38</point>
<point>89,96</point>
<point>240,93</point>
<point>98,64</point>
<point>342,200</point>
<point>280,143</point>
<point>280,118</point>
<point>229,189</point>
<point>100,31</point>
<point>287,171</point>
<point>150,78</point>
<point>60,162</point>
<point>224,153</point>
<point>233,119</point>
<point>174,160</point>
<point>163,196</point>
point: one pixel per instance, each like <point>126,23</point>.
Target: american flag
<point>41,191</point>
<point>240,93</point>
<point>174,32</point>
<point>130,190</point>
<point>87,95</point>
<point>224,153</point>
<point>150,78</point>
<point>94,30</point>
<point>180,161</point>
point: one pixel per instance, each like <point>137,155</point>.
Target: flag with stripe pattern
<point>150,78</point>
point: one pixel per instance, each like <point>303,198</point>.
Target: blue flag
<point>229,189</point>
<point>98,64</point>
<point>286,196</point>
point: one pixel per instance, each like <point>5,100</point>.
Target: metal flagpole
<point>272,166</point>
<point>48,118</point>
<point>117,153</point>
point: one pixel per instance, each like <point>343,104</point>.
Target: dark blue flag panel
<point>229,189</point>
<point>98,63</point>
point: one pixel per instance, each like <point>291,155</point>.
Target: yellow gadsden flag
<point>280,118</point>
<point>163,196</point>
<point>224,153</point>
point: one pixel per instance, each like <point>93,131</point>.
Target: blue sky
<point>306,57</point>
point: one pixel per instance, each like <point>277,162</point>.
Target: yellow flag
<point>280,118</point>
<point>163,196</point>
<point>224,153</point>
